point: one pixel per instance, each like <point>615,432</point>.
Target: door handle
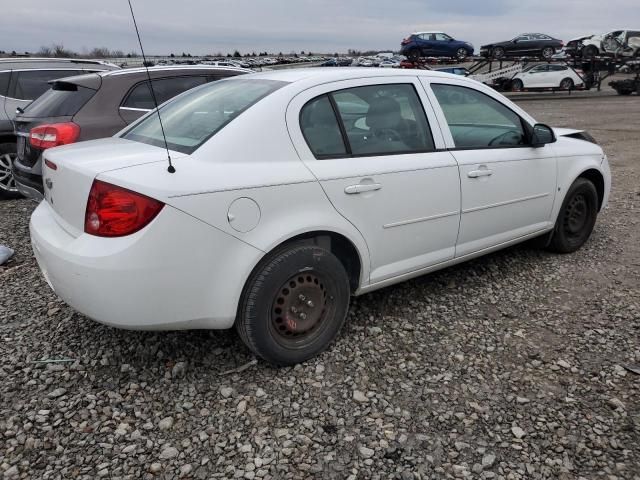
<point>362,187</point>
<point>482,172</point>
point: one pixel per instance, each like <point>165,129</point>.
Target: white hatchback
<point>296,189</point>
<point>547,75</point>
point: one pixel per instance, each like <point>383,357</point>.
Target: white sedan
<point>294,190</point>
<point>547,75</point>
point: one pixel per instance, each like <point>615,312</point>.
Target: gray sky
<point>210,26</point>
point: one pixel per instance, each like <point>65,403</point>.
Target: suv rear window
<point>63,99</point>
<point>197,115</point>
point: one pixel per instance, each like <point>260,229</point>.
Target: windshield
<point>195,116</point>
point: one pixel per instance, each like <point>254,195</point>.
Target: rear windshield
<point>63,99</point>
<point>195,116</point>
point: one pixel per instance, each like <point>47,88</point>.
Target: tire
<point>517,85</point>
<point>589,51</point>
<point>497,53</point>
<point>566,84</point>
<point>8,189</point>
<point>461,54</point>
<point>624,92</point>
<point>294,304</point>
<point>548,52</point>
<point>577,217</point>
<point>413,54</point>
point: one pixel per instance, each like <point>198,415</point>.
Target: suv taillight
<point>54,134</point>
<point>406,41</point>
<point>114,211</point>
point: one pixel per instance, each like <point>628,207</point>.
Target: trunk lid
<point>67,185</point>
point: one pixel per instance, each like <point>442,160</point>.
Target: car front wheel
<point>517,85</point>
<point>576,218</point>
<point>294,304</point>
<point>8,187</point>
<point>461,54</point>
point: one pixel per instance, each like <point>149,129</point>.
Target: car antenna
<point>171,168</point>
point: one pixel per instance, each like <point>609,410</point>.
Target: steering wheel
<point>502,136</point>
<point>388,133</point>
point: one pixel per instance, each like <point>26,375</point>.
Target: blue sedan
<point>435,44</point>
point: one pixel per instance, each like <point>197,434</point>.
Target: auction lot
<point>510,366</point>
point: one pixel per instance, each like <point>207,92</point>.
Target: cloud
<point>209,26</point>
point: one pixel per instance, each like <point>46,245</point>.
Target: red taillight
<point>405,41</point>
<point>54,134</point>
<point>114,211</point>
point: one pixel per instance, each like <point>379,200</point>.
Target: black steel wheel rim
<point>565,84</point>
<point>547,52</point>
<point>301,309</point>
<point>576,216</point>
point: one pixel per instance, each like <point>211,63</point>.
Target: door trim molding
<point>508,202</point>
<point>418,220</point>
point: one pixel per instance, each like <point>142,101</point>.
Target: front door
<point>508,187</point>
<point>373,145</point>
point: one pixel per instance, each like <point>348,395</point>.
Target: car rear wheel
<point>461,54</point>
<point>547,53</point>
<point>517,85</point>
<point>413,54</point>
<point>577,217</point>
<point>566,84</point>
<point>294,304</point>
<point>8,153</point>
<point>589,51</point>
<point>498,53</point>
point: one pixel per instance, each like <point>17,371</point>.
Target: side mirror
<point>542,135</point>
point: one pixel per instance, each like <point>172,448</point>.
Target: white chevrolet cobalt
<point>294,190</point>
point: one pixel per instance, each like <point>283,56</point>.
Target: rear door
<point>376,148</point>
<point>508,187</point>
<point>139,99</point>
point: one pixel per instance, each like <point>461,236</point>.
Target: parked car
<point>622,43</point>
<point>547,75</point>
<point>527,44</point>
<point>434,44</point>
<point>455,70</point>
<point>273,235</point>
<point>389,64</point>
<point>21,81</point>
<point>93,106</point>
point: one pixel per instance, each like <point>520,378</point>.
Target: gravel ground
<point>511,366</point>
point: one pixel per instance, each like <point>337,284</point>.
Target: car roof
<point>94,80</point>
<point>428,31</point>
<point>36,63</point>
<point>319,75</point>
<point>173,68</point>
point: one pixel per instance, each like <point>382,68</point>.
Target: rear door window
<point>165,88</point>
<point>372,120</point>
<point>29,85</point>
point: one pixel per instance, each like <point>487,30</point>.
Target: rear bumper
<point>177,273</point>
<point>29,179</point>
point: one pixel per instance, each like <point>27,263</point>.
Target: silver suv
<point>22,80</point>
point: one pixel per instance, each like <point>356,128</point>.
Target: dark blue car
<point>435,44</point>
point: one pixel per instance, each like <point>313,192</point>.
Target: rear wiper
<point>19,110</point>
